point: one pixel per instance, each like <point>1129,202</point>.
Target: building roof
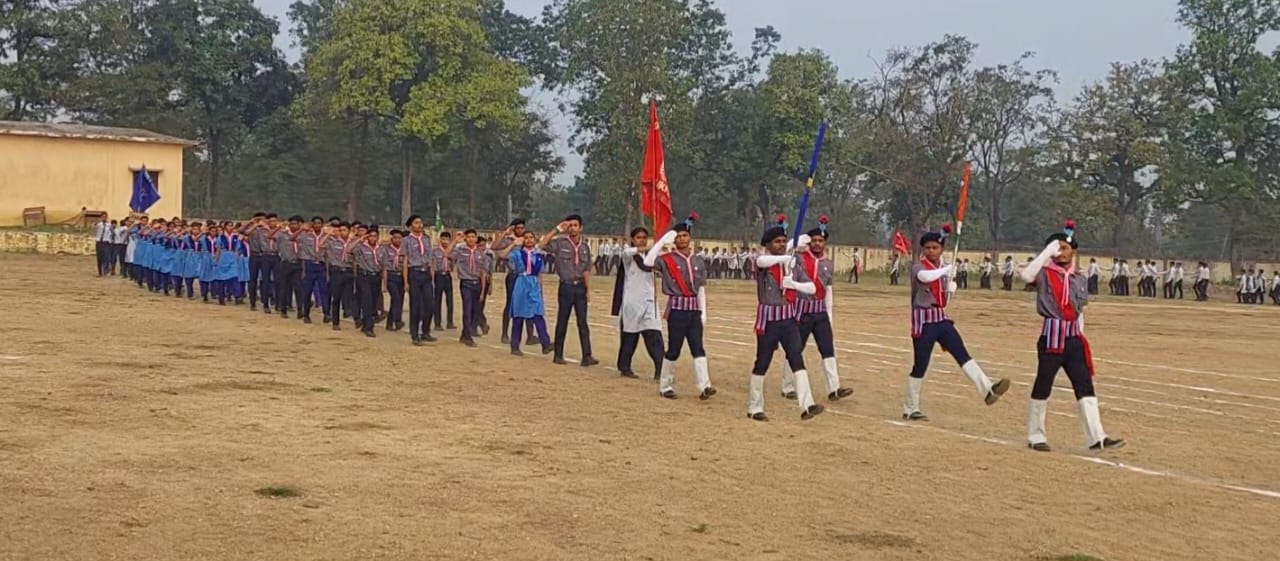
<point>87,132</point>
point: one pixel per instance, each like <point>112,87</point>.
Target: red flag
<point>900,243</point>
<point>655,198</point>
<point>964,198</point>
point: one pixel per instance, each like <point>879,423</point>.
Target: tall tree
<point>1114,142</point>
<point>918,105</point>
<point>1228,143</point>
<point>610,55</point>
<point>425,66</point>
<point>36,59</point>
<point>1008,122</point>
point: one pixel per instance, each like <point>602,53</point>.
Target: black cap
<point>776,230</point>
<point>1062,237</point>
<point>517,222</point>
<point>409,223</point>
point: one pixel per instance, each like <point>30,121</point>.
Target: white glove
<point>951,287</point>
<point>788,283</point>
<point>1054,249</point>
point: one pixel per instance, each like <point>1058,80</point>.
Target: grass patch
<point>321,389</point>
<point>279,492</point>
<point>699,528</point>
<point>1070,557</point>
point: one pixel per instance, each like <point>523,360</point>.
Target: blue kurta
<point>526,294</point>
<point>142,254</point>
<point>242,258</point>
<point>205,252</point>
<point>224,267</point>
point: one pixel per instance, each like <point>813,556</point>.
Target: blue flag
<point>144,192</point>
<point>808,184</point>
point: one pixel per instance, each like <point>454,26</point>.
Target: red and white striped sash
<point>924,316</point>
<point>810,306</point>
<point>1056,332</point>
<point>766,313</point>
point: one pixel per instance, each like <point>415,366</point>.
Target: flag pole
<point>960,208</point>
<point>808,185</point>
<point>653,219</point>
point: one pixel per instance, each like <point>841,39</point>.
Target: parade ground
<point>136,427</point>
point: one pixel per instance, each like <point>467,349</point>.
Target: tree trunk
<point>215,161</point>
<point>406,181</point>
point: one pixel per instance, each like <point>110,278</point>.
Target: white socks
<point>804,396</point>
<point>979,378</point>
<point>755,395</point>
<point>912,402</point>
<point>832,370</point>
<point>667,379</point>
<point>1035,421</point>
<point>1091,421</point>
<point>668,376</point>
<point>700,375</point>
<point>788,378</point>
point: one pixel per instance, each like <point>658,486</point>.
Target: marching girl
<point>168,256</point>
<point>241,248</point>
<point>141,268</point>
<point>526,293</point>
<point>205,254</point>
<point>224,266</point>
<point>191,259</point>
<point>931,289</point>
<point>181,249</point>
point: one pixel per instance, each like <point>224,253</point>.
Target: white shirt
<point>1124,269</point>
<point>986,267</point>
<point>1093,269</point>
<point>102,232</point>
<point>1202,274</point>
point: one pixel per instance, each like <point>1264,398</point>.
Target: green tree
<point>36,59</point>
<point>1228,141</point>
<point>1114,142</point>
<point>425,66</point>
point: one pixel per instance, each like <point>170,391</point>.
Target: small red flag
<point>900,243</point>
<point>964,197</point>
<point>655,198</point>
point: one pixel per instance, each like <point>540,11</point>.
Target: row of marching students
<point>169,257</point>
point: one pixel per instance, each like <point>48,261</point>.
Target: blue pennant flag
<point>144,192</point>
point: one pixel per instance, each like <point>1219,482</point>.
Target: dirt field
<point>136,427</point>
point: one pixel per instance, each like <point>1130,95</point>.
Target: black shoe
<point>1108,444</point>
<point>266,310</point>
<point>469,342</point>
<point>506,340</point>
<point>916,416</point>
<point>253,307</point>
<point>589,361</point>
<point>429,338</point>
<point>627,374</point>
<point>839,394</point>
<point>438,328</point>
<point>369,333</point>
<point>337,327</point>
<point>548,349</point>
<point>758,416</point>
<point>306,320</point>
<point>328,318</point>
<point>789,395</point>
<point>669,394</point>
<point>284,315</point>
<point>997,390</point>
<point>559,360</point>
<point>707,393</point>
<point>397,326</point>
<point>517,352</point>
<point>451,326</point>
<point>811,412</point>
<point>1039,446</point>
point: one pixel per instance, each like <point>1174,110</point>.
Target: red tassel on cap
<point>1071,224</point>
<point>946,228</point>
<point>780,218</point>
<point>823,219</point>
<point>693,216</point>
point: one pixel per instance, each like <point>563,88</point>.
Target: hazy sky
<point>1079,38</point>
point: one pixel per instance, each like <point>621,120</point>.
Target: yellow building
<point>67,168</point>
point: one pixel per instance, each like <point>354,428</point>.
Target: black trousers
<point>368,285</point>
<point>288,285</point>
<point>117,258</point>
<point>893,278</point>
<point>682,327</point>
<point>395,290</point>
<point>420,303</point>
<point>985,281</point>
<point>267,278</point>
<point>443,297</point>
<point>1006,282</point>
<point>1072,360</point>
<point>102,251</point>
<point>341,293</point>
<point>819,327</point>
<point>652,344</point>
<point>943,333</point>
<point>784,333</point>
<point>470,292</point>
<point>1093,284</point>
<point>572,298</point>
<point>1177,288</point>
<point>1201,288</point>
<point>255,274</point>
